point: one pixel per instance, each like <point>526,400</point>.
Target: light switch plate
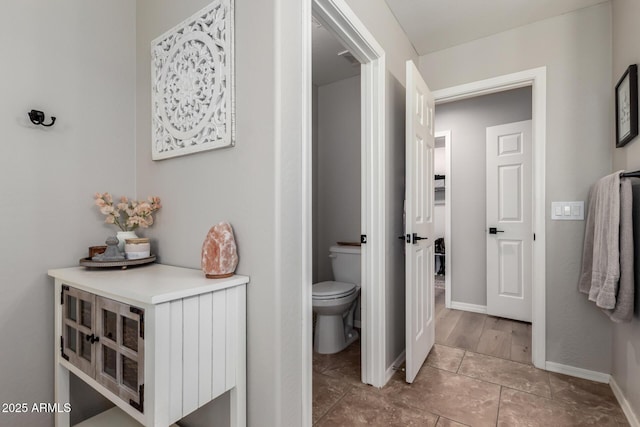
<point>567,211</point>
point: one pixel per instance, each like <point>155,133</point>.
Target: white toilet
<point>334,302</point>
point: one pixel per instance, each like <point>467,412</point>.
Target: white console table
<point>158,341</point>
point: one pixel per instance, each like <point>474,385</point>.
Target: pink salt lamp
<point>219,252</point>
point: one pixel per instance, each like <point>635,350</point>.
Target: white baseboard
<point>632,418</point>
<point>392,369</point>
<point>572,371</point>
<point>474,308</point>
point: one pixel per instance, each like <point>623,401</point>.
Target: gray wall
<point>626,337</point>
<point>381,22</point>
<point>256,185</point>
<point>576,49</point>
<point>439,168</point>
<point>395,169</point>
<point>59,57</point>
<point>468,120</point>
<point>338,167</point>
<point>314,179</point>
<point>239,185</point>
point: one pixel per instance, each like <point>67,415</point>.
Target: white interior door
<point>509,220</point>
<point>420,331</point>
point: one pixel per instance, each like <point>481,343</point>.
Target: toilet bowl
<point>334,302</point>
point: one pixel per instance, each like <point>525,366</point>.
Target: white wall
<point>338,167</point>
<point>60,57</point>
<point>576,49</point>
<point>468,120</point>
<point>626,337</point>
<point>381,22</point>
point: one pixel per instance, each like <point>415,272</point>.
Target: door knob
<point>416,238</point>
<point>494,230</point>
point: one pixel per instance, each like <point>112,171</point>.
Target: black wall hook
<point>37,118</point>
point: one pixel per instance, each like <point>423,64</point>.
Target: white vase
<point>122,236</point>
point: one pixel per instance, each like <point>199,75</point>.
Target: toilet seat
<point>332,290</point>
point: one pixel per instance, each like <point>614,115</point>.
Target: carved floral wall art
<point>192,82</point>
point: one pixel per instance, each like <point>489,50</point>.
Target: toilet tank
<point>345,263</point>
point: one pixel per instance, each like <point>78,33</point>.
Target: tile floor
<point>459,386</point>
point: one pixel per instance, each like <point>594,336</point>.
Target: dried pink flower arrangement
<point>128,214</point>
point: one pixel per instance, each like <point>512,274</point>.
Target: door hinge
<point>64,356</point>
<point>139,312</point>
<point>62,290</point>
<point>139,406</point>
<point>534,237</point>
<point>142,326</point>
<point>363,238</point>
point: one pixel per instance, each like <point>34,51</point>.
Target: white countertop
<point>148,284</point>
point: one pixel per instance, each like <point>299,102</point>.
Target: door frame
<point>537,79</point>
<point>338,17</point>
<point>446,134</point>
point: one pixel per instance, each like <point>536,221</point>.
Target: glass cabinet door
<point>120,354</point>
<point>78,320</point>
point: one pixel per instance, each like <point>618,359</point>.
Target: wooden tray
<point>349,243</point>
<point>88,262</point>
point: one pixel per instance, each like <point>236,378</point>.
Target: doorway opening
<point>442,215</point>
<point>536,80</point>
<point>347,28</point>
<point>337,211</point>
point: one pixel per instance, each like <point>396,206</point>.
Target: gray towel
<point>607,260</point>
<point>584,284</point>
<point>623,312</point>
<point>601,263</point>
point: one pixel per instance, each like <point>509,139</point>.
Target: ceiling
<point>433,25</point>
<point>327,65</point>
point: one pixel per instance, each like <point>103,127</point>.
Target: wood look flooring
<point>479,373</point>
<point>480,333</point>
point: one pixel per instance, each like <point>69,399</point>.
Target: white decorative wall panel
<point>419,282</point>
<point>510,256</point>
<point>192,90</point>
<point>510,144</point>
<point>420,196</point>
<point>510,193</point>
